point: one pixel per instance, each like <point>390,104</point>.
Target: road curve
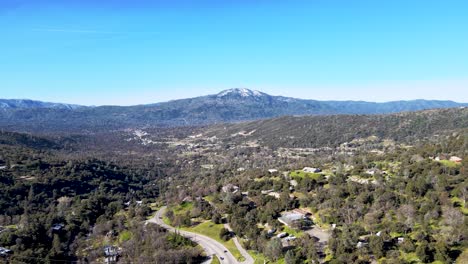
<point>211,246</point>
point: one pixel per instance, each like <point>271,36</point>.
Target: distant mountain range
<point>25,103</point>
<point>233,105</point>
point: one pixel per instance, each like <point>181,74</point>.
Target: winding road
<point>211,246</point>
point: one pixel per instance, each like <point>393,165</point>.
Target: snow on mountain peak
<point>244,92</point>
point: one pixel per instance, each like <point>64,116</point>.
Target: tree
<point>290,257</point>
<point>216,218</point>
<point>423,251</point>
<point>274,249</point>
<point>224,234</point>
<point>376,244</point>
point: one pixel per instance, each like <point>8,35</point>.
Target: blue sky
<point>133,52</point>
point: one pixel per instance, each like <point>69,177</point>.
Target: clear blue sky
<point>130,52</point>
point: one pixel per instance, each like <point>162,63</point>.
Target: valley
<point>376,188</point>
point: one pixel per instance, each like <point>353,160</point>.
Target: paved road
<point>248,258</point>
<point>211,246</point>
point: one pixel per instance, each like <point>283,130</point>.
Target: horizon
<point>204,95</point>
<point>121,53</point>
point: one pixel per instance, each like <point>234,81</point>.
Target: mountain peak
<point>243,92</point>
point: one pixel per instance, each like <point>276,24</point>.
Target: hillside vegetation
<point>330,131</point>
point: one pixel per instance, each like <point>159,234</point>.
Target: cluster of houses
<point>452,158</point>
<point>363,241</point>
<point>138,203</point>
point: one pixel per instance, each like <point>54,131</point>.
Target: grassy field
<point>463,258</point>
<point>212,230</point>
<point>302,174</point>
<point>450,164</point>
<point>258,257</point>
<point>215,260</point>
<point>183,207</point>
<point>209,198</point>
<point>410,257</point>
<point>125,236</point>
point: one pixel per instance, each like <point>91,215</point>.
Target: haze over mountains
<point>233,105</point>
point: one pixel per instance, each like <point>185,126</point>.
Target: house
<point>241,169</point>
<point>272,171</point>
<point>311,170</point>
<point>306,212</point>
<point>139,202</point>
<point>57,227</point>
<point>207,166</point>
<point>3,167</point>
<point>456,159</point>
<point>111,254</point>
<point>230,188</point>
<point>288,218</point>
<point>4,251</point>
<point>361,244</point>
<point>266,191</point>
<point>277,195</point>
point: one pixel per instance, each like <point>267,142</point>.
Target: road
<point>248,258</point>
<point>211,246</point>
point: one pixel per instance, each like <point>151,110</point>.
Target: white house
<point>311,170</point>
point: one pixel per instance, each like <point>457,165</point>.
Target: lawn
<point>463,258</point>
<point>154,206</point>
<point>209,198</point>
<point>183,207</point>
<point>258,257</point>
<point>292,231</point>
<point>212,230</point>
<point>410,257</point>
<point>302,174</point>
<point>180,209</point>
<point>215,260</point>
<point>125,236</point>
<point>450,164</point>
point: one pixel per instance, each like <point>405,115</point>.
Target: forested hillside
<point>331,131</point>
<point>51,204</point>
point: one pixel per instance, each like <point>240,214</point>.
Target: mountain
<point>28,104</point>
<point>233,105</point>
